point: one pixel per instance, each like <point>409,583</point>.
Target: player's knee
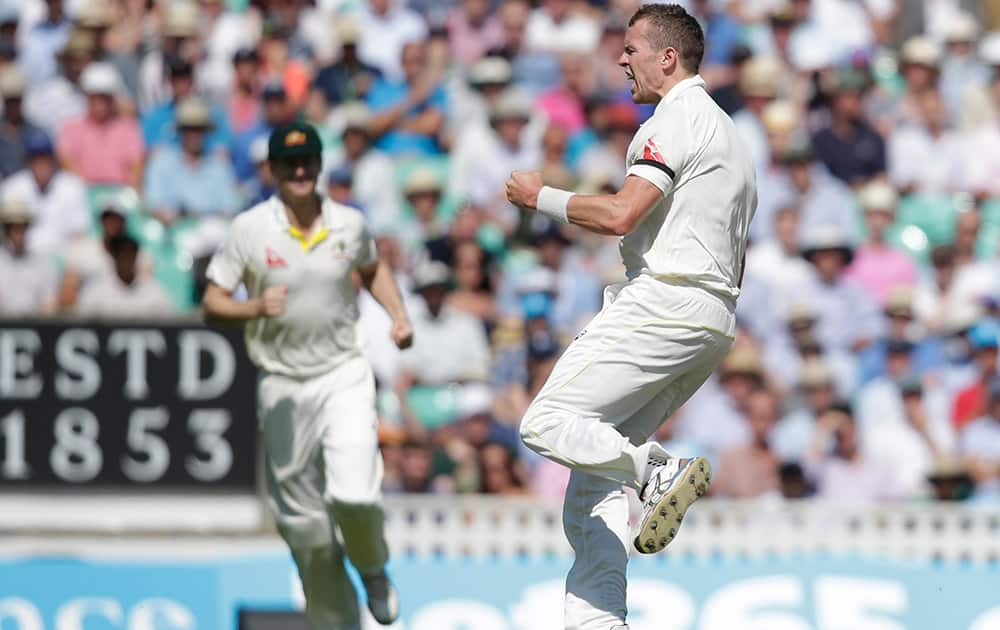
<point>304,532</point>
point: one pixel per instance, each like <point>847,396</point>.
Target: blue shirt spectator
<point>43,42</point>
<point>158,128</point>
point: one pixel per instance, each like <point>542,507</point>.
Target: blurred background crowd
<point>866,366</point>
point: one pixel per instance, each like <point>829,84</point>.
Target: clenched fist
<point>523,187</point>
<point>402,334</point>
<point>271,302</point>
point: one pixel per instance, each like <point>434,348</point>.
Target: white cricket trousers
<point>324,478</point>
<point>650,348</point>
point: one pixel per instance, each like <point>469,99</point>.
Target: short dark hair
<point>122,244</point>
<point>673,27</point>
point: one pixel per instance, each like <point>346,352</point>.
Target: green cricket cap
<point>292,140</point>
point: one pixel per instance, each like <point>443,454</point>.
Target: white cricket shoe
<point>382,599</point>
<point>668,494</point>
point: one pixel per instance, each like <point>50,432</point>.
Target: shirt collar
<point>680,88</point>
<point>326,218</point>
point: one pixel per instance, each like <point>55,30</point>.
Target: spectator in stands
<point>186,180</point>
<point>759,78</point>
<point>849,146</point>
<point>961,71</point>
<point>279,63</point>
<point>409,114</point>
<point>338,186</point>
<point>473,292</point>
<point>751,470</point>
<point>932,297</point>
<point>970,402</point>
<point>44,41</point>
<point>928,138</point>
<point>416,467</point>
<point>126,295</point>
<point>424,193</point>
<point>563,105</point>
<point>348,78</point>
<point>473,30</point>
<point>794,433</point>
<point>899,314</point>
<point>452,348</point>
<point>381,203</point>
<point>386,27</point>
<point>104,146</point>
<point>244,108</point>
<point>56,198</point>
<point>848,317</point>
<point>950,480</point>
<point>920,67</point>
<point>877,266</point>
<point>726,401</point>
<point>180,43</point>
<point>778,261</point>
<point>29,280</point>
<point>484,156</point>
<point>52,102</point>
<point>88,258</point>
<point>464,227</point>
<point>159,124</point>
<point>277,110</point>
<point>263,184</point>
<point>14,129</point>
<point>555,26</point>
<point>99,18</point>
<point>845,473</point>
<point>486,80</point>
<point>984,147</point>
<point>501,473</point>
<point>980,445</point>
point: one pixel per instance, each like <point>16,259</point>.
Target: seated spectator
<point>927,353</point>
<point>464,227</point>
<point>58,99</point>
<point>758,87</point>
<point>348,78</point>
<point>920,67</point>
<point>970,402</point>
<point>244,100</point>
<point>104,146</point>
<point>159,125</point>
<point>557,27</point>
<point>843,472</point>
<point>485,81</point>
<point>500,472</point>
<point>983,160</point>
<point>725,401</point>
<point>409,113</point>
<point>126,295</point>
<point>449,346</point>
<point>793,434</point>
<point>14,129</point>
<point>29,280</point>
<point>57,198</point>
<point>577,292</point>
<point>849,146</point>
<point>186,180</point>
<point>778,261</point>
<point>563,105</point>
<point>931,138</point>
<point>381,203</point>
<point>484,157</point>
<point>848,318</point>
<point>263,185</point>
<point>623,121</point>
<point>950,480</point>
<point>88,258</point>
<point>806,184</point>
<point>877,266</point>
<point>277,111</point>
<point>424,192</point>
<point>43,42</point>
<point>386,27</point>
<point>980,445</point>
<point>473,292</point>
<point>279,64</point>
<point>751,470</point>
<point>472,30</point>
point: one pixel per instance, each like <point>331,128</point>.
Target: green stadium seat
<point>934,215</point>
<point>434,405</point>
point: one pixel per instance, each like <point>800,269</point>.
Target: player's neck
<point>671,81</point>
<point>302,212</point>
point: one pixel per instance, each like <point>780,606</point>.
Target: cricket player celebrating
<point>316,394</point>
<point>683,215</point>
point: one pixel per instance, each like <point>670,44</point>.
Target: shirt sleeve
<point>366,254</point>
<point>663,154</point>
<point>227,265</point>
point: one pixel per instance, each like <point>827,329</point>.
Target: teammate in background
<point>683,215</point>
<point>295,253</point>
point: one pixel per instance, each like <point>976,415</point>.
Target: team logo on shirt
<point>340,250</point>
<point>652,152</point>
<point>273,259</point>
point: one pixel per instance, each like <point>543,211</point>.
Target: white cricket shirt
<point>697,233</point>
<point>318,329</point>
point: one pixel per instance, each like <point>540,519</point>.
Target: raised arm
<point>616,214</point>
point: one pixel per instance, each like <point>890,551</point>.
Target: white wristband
<point>552,202</point>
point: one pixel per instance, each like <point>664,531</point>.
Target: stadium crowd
<point>866,367</point>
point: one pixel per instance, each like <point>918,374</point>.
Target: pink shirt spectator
<point>101,153</point>
<point>563,109</point>
<point>244,111</point>
<point>879,269</point>
<point>469,43</point>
